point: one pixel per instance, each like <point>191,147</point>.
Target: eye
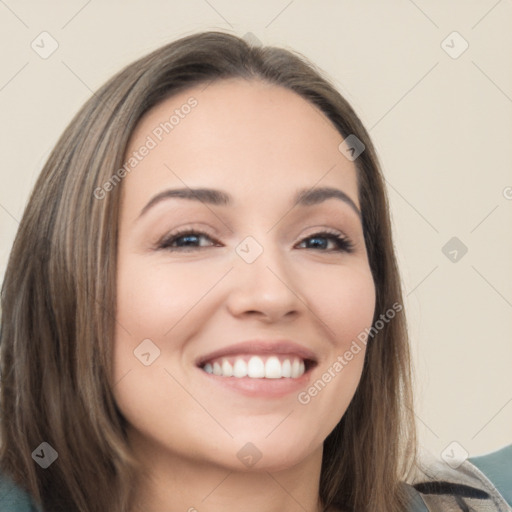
<point>341,243</point>
<point>187,240</point>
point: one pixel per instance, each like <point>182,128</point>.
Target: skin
<point>260,143</point>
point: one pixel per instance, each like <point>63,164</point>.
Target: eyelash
<point>343,244</point>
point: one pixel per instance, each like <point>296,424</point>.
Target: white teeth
<point>227,369</point>
<point>217,370</point>
<point>295,368</point>
<point>240,368</point>
<point>273,369</point>
<point>257,367</point>
<point>286,368</point>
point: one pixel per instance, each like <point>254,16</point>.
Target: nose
<point>265,288</point>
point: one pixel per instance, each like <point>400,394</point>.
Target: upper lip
<point>259,346</point>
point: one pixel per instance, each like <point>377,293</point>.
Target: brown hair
<point>58,299</point>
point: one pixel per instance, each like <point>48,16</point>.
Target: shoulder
<point>416,503</point>
<point>497,467</point>
<point>12,498</point>
<point>480,484</point>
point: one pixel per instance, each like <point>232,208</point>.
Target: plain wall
<point>442,127</point>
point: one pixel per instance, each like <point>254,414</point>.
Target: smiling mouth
<point>269,366</point>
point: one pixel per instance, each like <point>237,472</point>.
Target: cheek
<point>348,309</point>
<point>155,302</point>
<point>346,303</point>
<point>152,299</point>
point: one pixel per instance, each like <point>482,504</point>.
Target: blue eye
<point>342,243</point>
<point>187,240</point>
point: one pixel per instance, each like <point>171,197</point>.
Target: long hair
<point>58,299</point>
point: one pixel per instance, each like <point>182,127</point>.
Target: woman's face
<point>247,285</point>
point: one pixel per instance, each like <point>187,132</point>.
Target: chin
<point>273,455</point>
<point>269,463</point>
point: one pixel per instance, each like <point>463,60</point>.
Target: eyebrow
<point>303,197</point>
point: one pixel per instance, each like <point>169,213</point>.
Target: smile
<point>257,366</point>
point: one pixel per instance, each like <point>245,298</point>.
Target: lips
<point>259,359</point>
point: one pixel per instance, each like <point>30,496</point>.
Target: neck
<point>177,484</point>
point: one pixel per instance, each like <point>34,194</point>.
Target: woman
<point>265,368</point>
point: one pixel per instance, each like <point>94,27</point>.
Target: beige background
<point>442,127</point>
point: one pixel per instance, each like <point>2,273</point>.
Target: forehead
<point>250,137</point>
